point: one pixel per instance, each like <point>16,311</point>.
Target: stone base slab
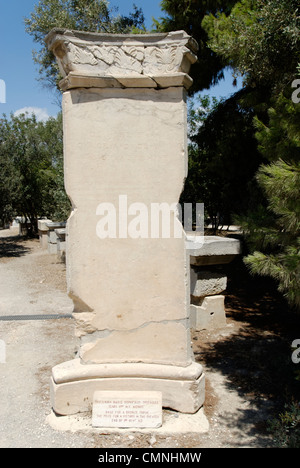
<point>214,250</point>
<point>73,384</point>
<point>173,423</point>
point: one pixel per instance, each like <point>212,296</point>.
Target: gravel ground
<point>33,282</point>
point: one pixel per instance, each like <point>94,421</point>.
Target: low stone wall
<point>208,281</point>
<point>61,243</point>
<point>52,237</point>
<point>43,232</point>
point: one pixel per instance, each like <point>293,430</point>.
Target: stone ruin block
<point>43,232</point>
<point>206,283</point>
<point>125,135</point>
<point>209,314</point>
<point>52,235</point>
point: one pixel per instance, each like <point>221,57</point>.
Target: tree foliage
<point>223,159</point>
<point>275,245</point>
<point>31,183</point>
<point>245,154</point>
<point>188,15</point>
<point>84,15</point>
<point>259,39</point>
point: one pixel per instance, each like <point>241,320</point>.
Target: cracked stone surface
<point>125,146</point>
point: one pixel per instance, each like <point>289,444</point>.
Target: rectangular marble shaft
<point>131,295</point>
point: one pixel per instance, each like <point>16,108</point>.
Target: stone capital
<point>123,60</point>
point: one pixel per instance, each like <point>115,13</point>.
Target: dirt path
<point>32,282</point>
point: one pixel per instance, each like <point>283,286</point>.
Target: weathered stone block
<point>125,137</point>
<point>148,340</point>
<point>43,232</point>
<point>61,243</point>
<point>214,250</point>
<point>52,237</point>
<point>209,315</point>
<point>52,248</point>
<point>207,283</point>
<point>42,224</point>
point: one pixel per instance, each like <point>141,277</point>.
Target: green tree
<point>59,205</point>
<point>223,159</point>
<point>84,15</point>
<point>9,183</point>
<point>31,160</point>
<point>223,155</point>
<point>188,15</point>
<point>274,239</point>
<point>259,127</point>
<point>259,39</point>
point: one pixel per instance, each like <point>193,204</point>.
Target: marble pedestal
<point>125,145</point>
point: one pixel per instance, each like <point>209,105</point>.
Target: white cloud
<point>41,114</point>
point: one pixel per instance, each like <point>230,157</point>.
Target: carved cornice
<point>117,60</point>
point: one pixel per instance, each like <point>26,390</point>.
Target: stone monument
<point>125,150</point>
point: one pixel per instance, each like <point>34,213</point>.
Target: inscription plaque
<point>127,409</point>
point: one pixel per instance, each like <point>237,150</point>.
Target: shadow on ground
<point>256,357</point>
<point>13,246</point>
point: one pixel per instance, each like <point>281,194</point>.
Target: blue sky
<point>19,72</point>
